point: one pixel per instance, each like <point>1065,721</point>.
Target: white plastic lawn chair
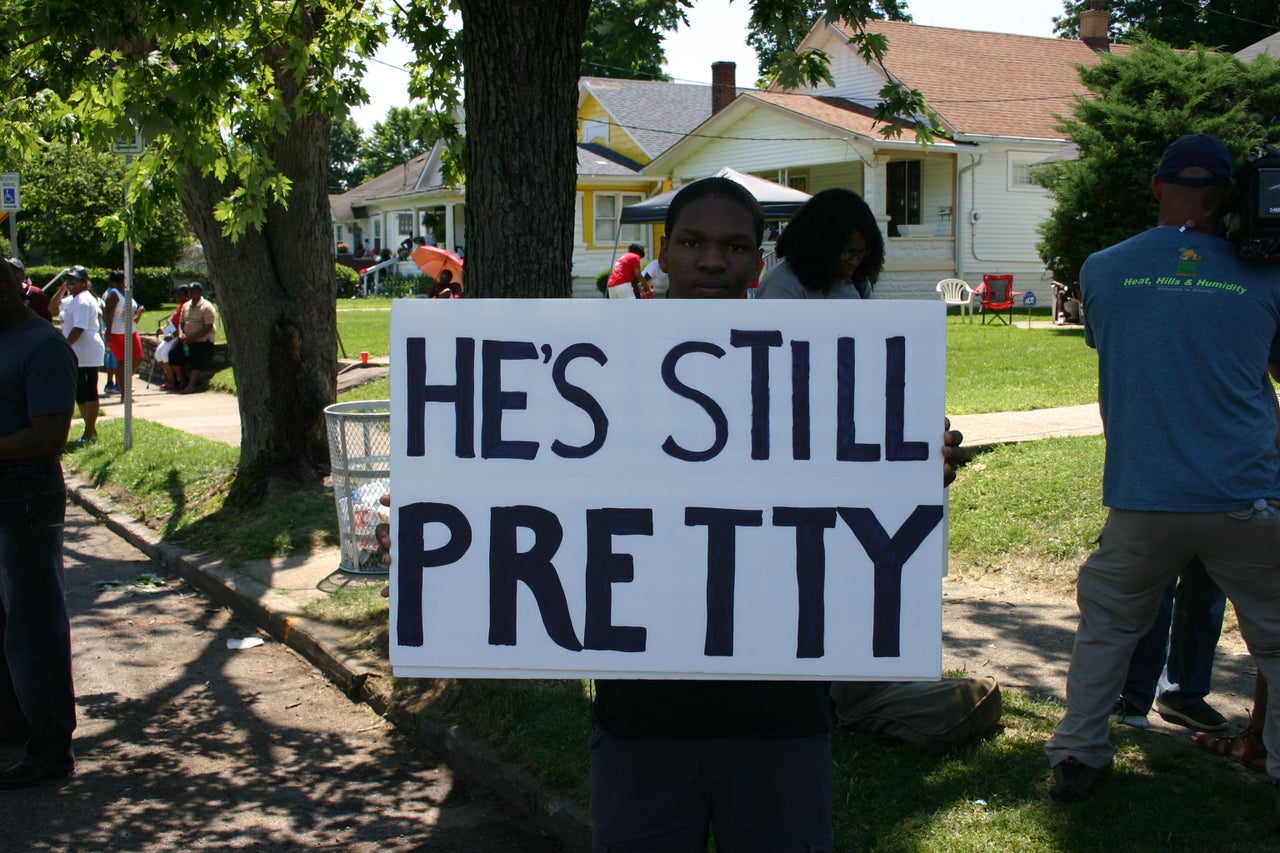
<point>956,291</point>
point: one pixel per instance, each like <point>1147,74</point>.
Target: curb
<point>546,810</point>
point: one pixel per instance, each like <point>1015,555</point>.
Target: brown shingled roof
<point>837,112</point>
<point>988,84</point>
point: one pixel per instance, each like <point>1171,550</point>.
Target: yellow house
<point>622,125</point>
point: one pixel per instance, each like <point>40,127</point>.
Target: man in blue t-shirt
<point>1184,330</point>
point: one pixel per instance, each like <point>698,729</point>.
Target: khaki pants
<point>1119,591</point>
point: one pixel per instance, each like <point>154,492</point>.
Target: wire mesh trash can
<point>360,456</point>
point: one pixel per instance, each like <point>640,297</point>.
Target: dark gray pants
<point>767,795</point>
<point>36,693</point>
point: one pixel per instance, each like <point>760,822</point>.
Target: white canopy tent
<point>778,202</point>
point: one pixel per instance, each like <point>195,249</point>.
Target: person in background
<point>655,280</point>
<point>32,296</point>
<point>445,287</point>
<point>625,277</point>
<point>1179,647</point>
<point>113,310</point>
<point>197,332</point>
<point>38,381</point>
<point>1184,330</point>
<point>169,352</point>
<point>831,249</point>
<point>81,320</point>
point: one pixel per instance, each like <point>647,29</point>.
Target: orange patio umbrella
<point>433,259</point>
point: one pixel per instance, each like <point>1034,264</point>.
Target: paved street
<point>185,744</point>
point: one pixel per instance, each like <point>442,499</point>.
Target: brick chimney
<point>1095,25</point>
<point>724,85</point>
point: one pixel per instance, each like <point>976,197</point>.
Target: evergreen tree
<point>1143,101</point>
<point>1226,24</point>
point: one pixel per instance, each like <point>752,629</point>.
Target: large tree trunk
<point>521,104</point>
<point>274,290</point>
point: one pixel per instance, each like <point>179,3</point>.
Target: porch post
<point>876,193</point>
<point>448,226</point>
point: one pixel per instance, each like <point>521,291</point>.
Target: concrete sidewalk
<point>1023,640</point>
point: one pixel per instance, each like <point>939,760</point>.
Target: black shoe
<point>1197,715</point>
<point>1073,781</point>
<point>1128,714</point>
<point>26,773</point>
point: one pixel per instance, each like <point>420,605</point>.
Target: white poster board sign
<point>667,488</point>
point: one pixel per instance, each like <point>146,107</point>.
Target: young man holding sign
<point>677,555</point>
<point>671,758</point>
<point>750,760</point>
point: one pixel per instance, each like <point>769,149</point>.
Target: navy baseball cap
<point>78,272</point>
<point>1196,151</point>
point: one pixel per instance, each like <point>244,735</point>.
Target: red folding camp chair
<point>997,297</point>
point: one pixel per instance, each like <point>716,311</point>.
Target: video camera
<point>1255,223</point>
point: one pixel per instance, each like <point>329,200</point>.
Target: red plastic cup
<point>364,358</point>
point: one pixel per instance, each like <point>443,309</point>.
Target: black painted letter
<point>895,392</point>
<point>847,447</point>
<point>722,558</point>
<point>811,573</point>
<point>494,400</point>
<point>462,395</point>
<point>708,405</point>
<point>534,568</point>
<point>412,557</point>
<point>581,399</point>
<point>759,342</point>
<point>605,568</point>
<point>888,556</point>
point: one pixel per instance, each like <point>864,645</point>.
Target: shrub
<point>152,286</point>
<point>602,282</point>
<point>348,281</point>
<point>401,286</point>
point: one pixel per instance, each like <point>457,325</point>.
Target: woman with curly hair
<point>831,249</point>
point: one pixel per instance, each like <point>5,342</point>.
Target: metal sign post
<point>128,148</point>
<point>1029,301</point>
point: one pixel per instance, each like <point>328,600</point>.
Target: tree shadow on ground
<point>187,744</point>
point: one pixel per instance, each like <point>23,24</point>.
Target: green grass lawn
<point>1013,368</point>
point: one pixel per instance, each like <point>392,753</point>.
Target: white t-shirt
<point>82,312</point>
<point>657,278</point>
<point>116,320</point>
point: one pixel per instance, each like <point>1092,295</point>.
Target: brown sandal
<point>1245,748</point>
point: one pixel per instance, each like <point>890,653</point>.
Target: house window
<point>1022,171</point>
<point>608,207</point>
<point>903,194</point>
<point>404,224</point>
<point>798,182</point>
<point>595,129</point>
